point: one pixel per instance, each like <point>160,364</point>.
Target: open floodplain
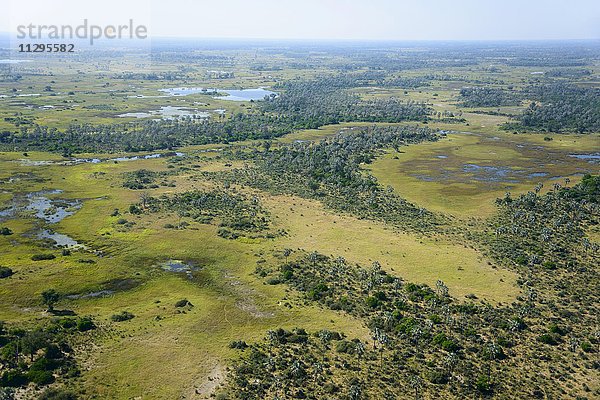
<point>339,238</point>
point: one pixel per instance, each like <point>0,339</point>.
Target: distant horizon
<point>326,20</point>
<point>346,40</point>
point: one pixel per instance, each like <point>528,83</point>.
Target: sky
<point>324,19</point>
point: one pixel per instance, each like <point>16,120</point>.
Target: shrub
<point>345,346</point>
<point>183,303</point>
<point>122,316</point>
<point>318,291</point>
<point>372,302</point>
<point>436,319</point>
<point>41,364</point>
<point>13,378</point>
<point>557,330</point>
<point>5,272</point>
<point>484,384</point>
<point>547,338</point>
<point>57,394</point>
<point>437,377</point>
<point>587,347</point>
<point>40,257</point>
<point>445,343</point>
<point>5,231</point>
<point>85,324</point>
<point>40,377</point>
<point>238,344</point>
<point>550,265</point>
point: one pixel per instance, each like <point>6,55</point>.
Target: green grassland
<point>168,352</point>
<point>457,192</point>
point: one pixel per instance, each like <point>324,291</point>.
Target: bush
<point>5,272</point>
<point>345,346</point>
<point>445,343</point>
<point>547,338</point>
<point>238,344</point>
<point>557,330</point>
<point>40,257</point>
<point>57,394</point>
<point>5,231</point>
<point>41,364</point>
<point>85,324</point>
<point>587,347</point>
<point>436,319</point>
<point>484,384</point>
<point>437,377</point>
<point>123,316</point>
<point>183,303</point>
<point>13,378</point>
<point>372,302</point>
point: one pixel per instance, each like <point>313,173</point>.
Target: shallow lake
<point>232,94</point>
<point>59,239</point>
<point>178,266</point>
<point>167,112</point>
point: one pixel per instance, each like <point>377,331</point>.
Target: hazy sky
<point>324,19</point>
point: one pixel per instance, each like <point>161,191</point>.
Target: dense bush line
<point>331,172</point>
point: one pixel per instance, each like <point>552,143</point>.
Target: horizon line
<point>321,39</point>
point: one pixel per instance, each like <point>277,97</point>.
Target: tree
<point>286,253</point>
<point>415,383</point>
<point>33,341</point>
<point>50,297</point>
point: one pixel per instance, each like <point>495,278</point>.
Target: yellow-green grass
<point>148,357</point>
<point>416,259</point>
<point>459,194</point>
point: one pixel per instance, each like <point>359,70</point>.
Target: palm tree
<point>286,253</point>
<point>415,383</point>
<point>360,349</point>
<point>450,362</point>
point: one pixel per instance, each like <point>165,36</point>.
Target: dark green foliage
<point>40,377</point>
<point>412,326</point>
<point>122,316</point>
<point>548,230</point>
<point>484,384</point>
<point>325,101</point>
<point>143,179</point>
<point>238,344</point>
<point>331,172</point>
<point>487,97</point>
<point>50,297</point>
<point>437,377</point>
<point>447,344</point>
<point>57,394</point>
<point>5,272</point>
<point>85,324</point>
<point>547,338</point>
<point>13,378</point>
<point>238,214</point>
<point>303,105</point>
<point>183,303</point>
<point>43,256</point>
<point>5,231</point>
<point>561,108</point>
<point>37,355</point>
